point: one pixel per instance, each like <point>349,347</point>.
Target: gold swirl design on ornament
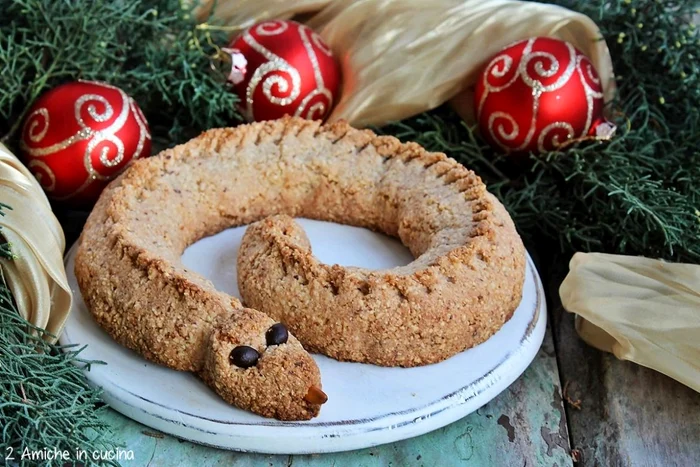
<point>82,134</point>
<point>275,27</point>
<point>493,70</point>
<point>589,70</point>
<point>108,134</point>
<point>92,110</point>
<point>37,164</point>
<point>318,108</point>
<point>104,159</point>
<point>516,129</point>
<point>499,73</point>
<point>537,87</point>
<point>555,138</point>
<point>590,93</point>
<point>507,63</point>
<point>503,135</point>
<point>536,84</point>
<point>303,33</point>
<point>86,132</point>
<point>274,64</point>
<point>99,136</point>
<point>533,122</point>
<point>539,68</point>
<point>44,114</point>
<point>281,82</point>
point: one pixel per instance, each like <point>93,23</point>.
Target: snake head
<point>254,363</point>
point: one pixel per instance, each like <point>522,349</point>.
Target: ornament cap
<point>238,65</point>
<point>604,130</point>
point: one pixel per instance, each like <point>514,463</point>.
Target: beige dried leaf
<point>36,277</point>
<point>640,309</point>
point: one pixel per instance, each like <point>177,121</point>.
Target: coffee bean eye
<point>244,356</point>
<point>277,334</point>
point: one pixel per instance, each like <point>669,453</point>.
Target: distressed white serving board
<point>368,405</point>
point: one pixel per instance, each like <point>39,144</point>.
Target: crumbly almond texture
<point>465,282</point>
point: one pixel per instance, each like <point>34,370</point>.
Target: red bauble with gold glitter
<point>283,68</point>
<point>79,136</point>
<point>537,94</point>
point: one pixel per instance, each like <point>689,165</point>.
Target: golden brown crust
<point>277,385</point>
<point>465,282</point>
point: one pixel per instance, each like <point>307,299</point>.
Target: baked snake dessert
<point>465,282</point>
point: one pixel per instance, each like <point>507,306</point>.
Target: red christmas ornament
<point>536,94</point>
<point>283,68</point>
<point>79,136</point>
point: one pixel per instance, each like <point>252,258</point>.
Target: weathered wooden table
<point>574,404</point>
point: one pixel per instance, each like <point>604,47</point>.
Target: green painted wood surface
<point>525,425</point>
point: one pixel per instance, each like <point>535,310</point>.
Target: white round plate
<point>368,405</point>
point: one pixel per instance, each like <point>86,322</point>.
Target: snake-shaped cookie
<point>465,282</point>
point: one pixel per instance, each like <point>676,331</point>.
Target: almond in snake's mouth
<point>315,396</point>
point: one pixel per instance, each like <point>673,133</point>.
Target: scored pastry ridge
<point>465,282</point>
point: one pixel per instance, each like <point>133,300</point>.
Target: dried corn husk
<point>36,276</point>
<point>640,309</point>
